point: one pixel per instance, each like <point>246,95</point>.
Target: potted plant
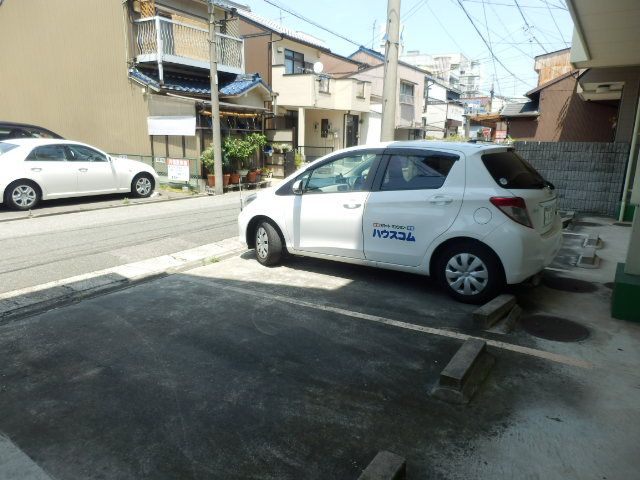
<point>239,150</point>
<point>251,176</point>
<point>267,172</point>
<point>209,164</point>
<point>208,161</point>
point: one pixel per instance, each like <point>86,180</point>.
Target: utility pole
<point>215,103</point>
<point>390,86</point>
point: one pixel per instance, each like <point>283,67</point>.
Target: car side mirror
<point>297,187</point>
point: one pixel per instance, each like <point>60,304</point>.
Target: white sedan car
<point>41,169</point>
<point>474,216</point>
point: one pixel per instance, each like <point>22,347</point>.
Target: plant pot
<point>211,180</point>
<point>225,179</point>
<point>234,178</point>
<point>251,177</point>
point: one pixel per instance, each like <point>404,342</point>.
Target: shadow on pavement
<point>186,377</point>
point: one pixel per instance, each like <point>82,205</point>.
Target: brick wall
<point>588,176</point>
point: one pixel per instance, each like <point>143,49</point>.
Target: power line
<point>512,5</point>
<point>485,42</point>
<point>312,22</point>
<point>495,73</point>
<point>529,26</point>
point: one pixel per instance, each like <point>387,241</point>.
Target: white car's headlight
<point>249,199</point>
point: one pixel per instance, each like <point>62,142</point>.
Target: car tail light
<point>513,207</point>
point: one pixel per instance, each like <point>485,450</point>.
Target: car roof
<point>36,142</point>
<point>27,125</point>
<point>464,147</point>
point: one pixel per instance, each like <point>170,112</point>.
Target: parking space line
<point>553,357</point>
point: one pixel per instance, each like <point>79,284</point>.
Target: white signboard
<point>177,170</point>
<point>172,126</point>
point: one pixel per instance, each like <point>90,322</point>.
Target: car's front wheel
<point>22,195</point>
<point>470,272</point>
<point>142,185</point>
<point>269,249</point>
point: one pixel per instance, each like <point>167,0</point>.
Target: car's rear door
<point>96,174</point>
<point>520,179</point>
<point>48,166</point>
<point>327,217</point>
<point>416,198</point>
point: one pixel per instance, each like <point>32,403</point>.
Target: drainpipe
<point>630,162</point>
<point>160,47</point>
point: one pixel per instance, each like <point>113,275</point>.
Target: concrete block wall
<point>588,176</point>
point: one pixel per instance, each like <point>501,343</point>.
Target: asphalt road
<point>43,249</point>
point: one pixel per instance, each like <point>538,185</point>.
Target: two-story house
<point>410,95</point>
<point>443,111</point>
<point>128,76</point>
<point>325,111</point>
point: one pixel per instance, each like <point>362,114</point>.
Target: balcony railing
<point>162,40</point>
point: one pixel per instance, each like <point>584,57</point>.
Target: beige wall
<point>312,134</point>
<point>404,113</point>
<point>303,91</point>
<point>64,67</point>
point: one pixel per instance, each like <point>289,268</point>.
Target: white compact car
<point>475,216</point>
<point>41,169</point>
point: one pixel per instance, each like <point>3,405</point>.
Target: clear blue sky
<point>440,26</point>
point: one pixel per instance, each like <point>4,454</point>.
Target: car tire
<point>22,195</point>
<point>470,272</point>
<point>142,185</point>
<point>269,250</point>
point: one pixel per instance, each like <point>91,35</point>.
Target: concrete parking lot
<point>307,370</point>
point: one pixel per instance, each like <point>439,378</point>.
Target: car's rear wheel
<point>470,273</point>
<point>142,185</point>
<point>22,195</point>
<point>269,249</point>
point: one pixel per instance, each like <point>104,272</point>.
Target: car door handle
<point>440,200</point>
<point>351,206</point>
<point>83,169</point>
<point>36,169</point>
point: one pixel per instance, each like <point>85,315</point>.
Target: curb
<point>33,300</point>
<point>385,466</point>
<point>464,373</point>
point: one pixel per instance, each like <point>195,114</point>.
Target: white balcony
<point>160,40</point>
<point>320,91</point>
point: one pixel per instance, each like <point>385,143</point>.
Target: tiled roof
<point>281,29</point>
<point>242,84</point>
<point>173,82</point>
<point>197,86</point>
<point>527,109</point>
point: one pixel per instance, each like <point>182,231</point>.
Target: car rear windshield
<point>5,147</point>
<point>509,170</point>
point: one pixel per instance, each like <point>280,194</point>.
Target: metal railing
<point>161,39</point>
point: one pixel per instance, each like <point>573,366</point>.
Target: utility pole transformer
<point>390,86</point>
<point>215,103</point>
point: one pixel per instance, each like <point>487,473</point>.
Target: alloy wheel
<point>24,196</point>
<point>143,186</point>
<point>466,274</point>
<point>262,242</point>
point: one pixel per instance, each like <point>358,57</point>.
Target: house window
<point>323,84</point>
<point>293,62</point>
<point>360,90</point>
<point>406,93</point>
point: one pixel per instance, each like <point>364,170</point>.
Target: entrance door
<point>418,200</point>
<point>351,130</point>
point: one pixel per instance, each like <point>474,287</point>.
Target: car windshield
<point>5,147</point>
<point>509,170</point>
